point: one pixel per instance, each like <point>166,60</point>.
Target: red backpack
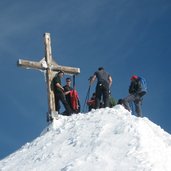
<point>74,100</point>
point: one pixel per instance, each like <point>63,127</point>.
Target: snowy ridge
<point>101,140</point>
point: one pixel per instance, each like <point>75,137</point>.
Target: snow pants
<point>137,100</point>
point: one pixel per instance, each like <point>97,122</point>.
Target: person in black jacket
<point>67,89</point>
<point>104,82</point>
<point>59,94</point>
<point>134,96</point>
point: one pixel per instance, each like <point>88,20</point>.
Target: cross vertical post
<point>49,75</point>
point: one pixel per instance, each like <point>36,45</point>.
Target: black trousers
<point>102,90</point>
<point>59,96</point>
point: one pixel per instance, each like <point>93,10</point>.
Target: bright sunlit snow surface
<point>109,139</point>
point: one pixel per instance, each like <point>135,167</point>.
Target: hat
<point>134,77</point>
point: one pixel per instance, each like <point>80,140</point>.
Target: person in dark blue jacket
<point>135,96</point>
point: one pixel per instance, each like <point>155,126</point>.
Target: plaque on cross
<point>48,65</point>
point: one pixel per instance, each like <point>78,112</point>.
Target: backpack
<point>143,86</point>
<point>75,101</point>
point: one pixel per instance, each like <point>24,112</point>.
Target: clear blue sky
<point>124,36</point>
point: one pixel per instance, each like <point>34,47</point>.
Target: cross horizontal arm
<point>66,69</point>
<point>54,67</point>
<point>30,64</point>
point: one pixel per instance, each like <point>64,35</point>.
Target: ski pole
<point>87,97</point>
<point>74,82</point>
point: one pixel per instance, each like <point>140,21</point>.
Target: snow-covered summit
<point>109,139</point>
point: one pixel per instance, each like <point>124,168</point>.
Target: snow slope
<point>109,139</point>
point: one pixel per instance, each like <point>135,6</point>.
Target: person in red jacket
<point>91,103</point>
<point>72,96</point>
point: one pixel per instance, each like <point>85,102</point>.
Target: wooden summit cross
<point>50,66</point>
